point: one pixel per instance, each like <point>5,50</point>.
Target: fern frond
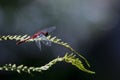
<point>14,37</point>
<point>67,58</point>
<point>22,68</point>
<point>76,62</point>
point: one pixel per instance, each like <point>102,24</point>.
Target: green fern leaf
<point>67,58</point>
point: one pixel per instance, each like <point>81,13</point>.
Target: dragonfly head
<point>46,34</point>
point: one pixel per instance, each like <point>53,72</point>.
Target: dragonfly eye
<point>46,34</point>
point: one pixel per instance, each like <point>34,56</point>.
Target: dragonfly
<point>42,34</point>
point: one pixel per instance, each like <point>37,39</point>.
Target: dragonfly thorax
<point>39,33</point>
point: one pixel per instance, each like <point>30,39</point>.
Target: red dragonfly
<point>41,34</point>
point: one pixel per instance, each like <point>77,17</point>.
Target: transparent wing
<point>38,43</point>
<point>50,29</point>
<point>44,40</point>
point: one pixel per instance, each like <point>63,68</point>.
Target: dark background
<point>91,27</point>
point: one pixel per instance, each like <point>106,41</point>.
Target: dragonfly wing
<point>50,29</point>
<point>38,43</point>
<point>44,40</point>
